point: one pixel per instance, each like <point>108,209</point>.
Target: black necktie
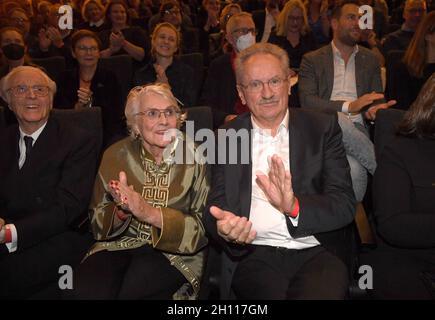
<point>28,142</point>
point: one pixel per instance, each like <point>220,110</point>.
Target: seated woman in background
<point>165,67</point>
<point>404,198</point>
<point>293,32</point>
<point>93,16</point>
<point>121,38</point>
<point>406,79</point>
<point>90,85</point>
<point>150,234</point>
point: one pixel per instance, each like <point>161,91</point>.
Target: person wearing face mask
<point>219,90</point>
<point>12,49</point>
<point>13,54</point>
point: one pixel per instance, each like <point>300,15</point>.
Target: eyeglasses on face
<point>154,114</point>
<point>257,85</point>
<point>87,49</point>
<point>242,31</point>
<point>22,90</point>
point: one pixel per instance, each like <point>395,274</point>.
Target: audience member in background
<point>218,43</point>
<point>138,12</point>
<point>13,50</point>
<point>186,21</point>
<point>89,85</point>
<point>379,20</point>
<point>13,53</point>
<point>146,209</point>
<point>318,20</point>
<point>47,170</point>
<point>413,14</point>
<point>404,198</point>
<point>165,67</point>
<point>19,19</point>
<point>346,78</point>
<point>266,19</point>
<point>93,16</point>
<point>208,24</point>
<point>53,41</point>
<point>219,90</point>
<point>293,33</point>
<point>406,79</point>
<point>170,12</point>
<point>121,38</point>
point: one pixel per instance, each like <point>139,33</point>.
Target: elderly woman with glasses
<point>88,84</point>
<point>146,208</point>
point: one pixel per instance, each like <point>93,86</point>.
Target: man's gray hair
<point>235,18</point>
<point>265,49</point>
<point>6,80</point>
<point>135,98</point>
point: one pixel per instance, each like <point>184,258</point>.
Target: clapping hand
<point>84,96</point>
<point>116,41</point>
<point>160,73</point>
<point>277,185</point>
<point>232,228</point>
<point>127,199</point>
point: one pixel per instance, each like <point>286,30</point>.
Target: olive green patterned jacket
<point>179,190</point>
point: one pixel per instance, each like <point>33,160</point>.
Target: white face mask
<point>245,41</point>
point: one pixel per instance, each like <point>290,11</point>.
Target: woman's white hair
<point>6,80</point>
<point>136,97</point>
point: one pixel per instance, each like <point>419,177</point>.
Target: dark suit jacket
<point>219,90</point>
<point>320,178</point>
<point>316,77</point>
<point>106,95</point>
<point>53,187</point>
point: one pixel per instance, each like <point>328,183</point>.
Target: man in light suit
<point>47,169</point>
<point>346,78</point>
<point>281,217</point>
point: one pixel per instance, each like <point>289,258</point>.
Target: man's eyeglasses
<point>154,114</point>
<point>242,31</point>
<point>87,49</point>
<point>257,85</point>
<point>23,90</point>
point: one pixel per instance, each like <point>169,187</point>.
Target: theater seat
<point>196,62</point>
<point>53,66</point>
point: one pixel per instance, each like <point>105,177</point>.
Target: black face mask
<point>13,51</point>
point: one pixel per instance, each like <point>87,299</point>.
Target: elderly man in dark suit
<point>346,78</point>
<point>281,214</point>
<point>47,171</point>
